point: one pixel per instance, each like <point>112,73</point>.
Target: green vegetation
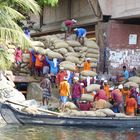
<point>44,3</point>
<point>9,29</point>
<point>47,2</point>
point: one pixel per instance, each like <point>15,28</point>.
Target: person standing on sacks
<point>53,69</point>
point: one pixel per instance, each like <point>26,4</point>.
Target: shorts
<point>64,27</point>
<point>82,35</point>
<point>46,95</point>
<point>63,99</point>
<point>45,70</point>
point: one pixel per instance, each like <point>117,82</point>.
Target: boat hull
<point>11,115</point>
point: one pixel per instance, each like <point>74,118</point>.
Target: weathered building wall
<point>120,8</point>
<point>121,52</point>
<point>79,9</point>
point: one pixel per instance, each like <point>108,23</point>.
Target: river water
<point>13,132</point>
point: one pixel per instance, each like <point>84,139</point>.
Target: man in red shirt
<point>101,94</point>
<point>67,26</point>
<point>60,76</point>
<point>117,98</point>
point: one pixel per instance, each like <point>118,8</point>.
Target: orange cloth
<point>106,89</point>
<point>87,66</point>
<point>30,64</point>
<point>126,94</point>
<point>38,62</point>
<point>64,88</point>
<point>131,105</point>
<point>83,90</point>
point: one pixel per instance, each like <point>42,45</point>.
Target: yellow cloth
<point>87,66</point>
<point>64,88</point>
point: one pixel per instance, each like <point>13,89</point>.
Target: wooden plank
<point>22,79</point>
<point>39,109</point>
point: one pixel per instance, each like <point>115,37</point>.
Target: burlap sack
<point>12,58</point>
<point>72,59</point>
<point>135,79</point>
<point>101,104</point>
<point>11,51</point>
<point>52,54</point>
<point>100,113</point>
<point>93,65</point>
<point>71,106</point>
<point>73,43</point>
<point>67,62</point>
<point>108,112</point>
<point>69,67</point>
<point>90,113</point>
<point>46,51</point>
<point>91,55</point>
<point>88,73</point>
<point>70,49</point>
<point>80,49</point>
<point>131,84</point>
<point>39,50</point>
<point>91,44</point>
<point>92,87</point>
<point>93,59</point>
<point>72,54</point>
<point>83,54</point>
<point>77,113</point>
<point>95,51</point>
<point>26,58</point>
<point>61,44</point>
<point>121,115</point>
<point>37,44</point>
<point>11,46</point>
<point>86,97</point>
<point>63,51</point>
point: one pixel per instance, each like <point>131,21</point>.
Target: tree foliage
<point>9,29</point>
<point>47,2</point>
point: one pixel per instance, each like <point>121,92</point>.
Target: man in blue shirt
<point>125,73</point>
<point>80,34</point>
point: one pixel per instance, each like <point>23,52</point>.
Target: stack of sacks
<point>135,79</point>
<point>26,57</point>
<point>97,113</point>
<point>24,70</point>
<point>71,50</point>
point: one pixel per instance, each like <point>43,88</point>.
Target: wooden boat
<point>13,116</point>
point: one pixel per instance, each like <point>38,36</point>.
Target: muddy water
<point>13,132</point>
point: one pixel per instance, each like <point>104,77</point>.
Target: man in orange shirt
<point>64,90</point>
<point>106,89</point>
<point>38,64</point>
<point>87,64</point>
<point>131,106</point>
<point>126,93</point>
